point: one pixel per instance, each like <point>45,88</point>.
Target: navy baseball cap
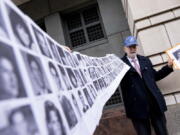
<point>130,41</point>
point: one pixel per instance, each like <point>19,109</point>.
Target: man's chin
<point>132,55</point>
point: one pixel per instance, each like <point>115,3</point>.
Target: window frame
<point>117,104</point>
<point>84,28</point>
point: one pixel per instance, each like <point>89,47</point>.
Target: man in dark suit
<point>144,102</point>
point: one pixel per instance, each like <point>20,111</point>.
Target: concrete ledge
<point>170,100</point>
<point>157,59</point>
<point>177,12</point>
<point>162,18</point>
<point>177,96</point>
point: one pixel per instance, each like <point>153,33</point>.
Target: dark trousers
<point>143,126</point>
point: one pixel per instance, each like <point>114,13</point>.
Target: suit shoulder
<point>143,57</point>
<point>123,58</point>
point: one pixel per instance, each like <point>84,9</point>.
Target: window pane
<point>77,38</point>
<point>74,21</point>
<point>90,15</point>
<point>95,32</point>
<point>83,26</point>
<point>115,99</point>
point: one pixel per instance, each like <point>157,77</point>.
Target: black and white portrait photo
<point>97,72</point>
<point>86,74</point>
<point>92,91</point>
<point>100,62</point>
<point>76,104</point>
<point>86,61</point>
<point>20,29</point>
<point>54,122</point>
<point>41,41</point>
<point>55,75</point>
<point>79,78</point>
<point>102,83</point>
<point>88,97</point>
<point>80,60</point>
<point>68,111</point>
<point>65,78</point>
<point>72,77</point>
<point>54,50</point>
<point>174,54</point>
<point>69,58</point>
<point>10,80</point>
<point>85,107</point>
<point>177,55</point>
<point>96,85</point>
<point>103,70</point>
<point>107,80</point>
<point>83,76</point>
<point>94,62</point>
<point>37,75</point>
<point>92,72</point>
<point>19,121</point>
<point>62,55</point>
<point>75,60</point>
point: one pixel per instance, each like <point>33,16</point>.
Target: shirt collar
<point>130,59</point>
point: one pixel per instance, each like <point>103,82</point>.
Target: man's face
<point>25,38</point>
<point>8,78</point>
<point>37,74</point>
<point>131,51</point>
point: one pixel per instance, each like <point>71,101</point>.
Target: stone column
<point>115,23</point>
<point>54,28</point>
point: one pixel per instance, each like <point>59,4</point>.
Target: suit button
<point>132,85</point>
<point>134,99</point>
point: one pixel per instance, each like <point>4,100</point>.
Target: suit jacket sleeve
<point>162,73</point>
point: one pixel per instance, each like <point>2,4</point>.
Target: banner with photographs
<point>45,89</point>
<point>174,53</point>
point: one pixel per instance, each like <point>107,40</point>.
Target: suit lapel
<point>142,63</point>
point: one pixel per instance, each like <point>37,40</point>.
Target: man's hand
<point>170,62</point>
<point>67,48</point>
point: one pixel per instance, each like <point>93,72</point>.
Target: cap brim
<point>131,45</point>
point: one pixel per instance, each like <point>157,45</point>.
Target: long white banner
<point>45,89</point>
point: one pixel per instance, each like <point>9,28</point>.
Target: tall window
<point>84,26</point>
